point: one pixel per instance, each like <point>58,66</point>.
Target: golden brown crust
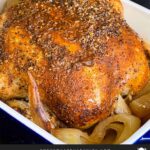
<point>81,53</point>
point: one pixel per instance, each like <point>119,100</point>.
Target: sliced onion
<point>72,136</point>
<point>110,137</point>
<point>130,123</point>
<point>141,106</point>
<point>121,107</point>
<point>145,91</point>
<point>124,126</point>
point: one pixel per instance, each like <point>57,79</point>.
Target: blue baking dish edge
<point>143,139</point>
<point>29,124</point>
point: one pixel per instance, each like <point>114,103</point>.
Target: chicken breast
<point>82,55</point>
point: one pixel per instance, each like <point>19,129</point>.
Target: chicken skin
<point>81,55</point>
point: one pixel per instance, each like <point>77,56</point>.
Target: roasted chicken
<point>71,57</point>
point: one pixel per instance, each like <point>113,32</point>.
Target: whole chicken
<point>71,58</point>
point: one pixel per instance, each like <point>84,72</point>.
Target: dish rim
<point>52,139</point>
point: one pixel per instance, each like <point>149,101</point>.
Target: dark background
<point>11,132</point>
<point>145,3</point>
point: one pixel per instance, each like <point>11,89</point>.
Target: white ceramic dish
<point>138,18</point>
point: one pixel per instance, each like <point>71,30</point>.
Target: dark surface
<point>145,3</point>
<point>12,132</point>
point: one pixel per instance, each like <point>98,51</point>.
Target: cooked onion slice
<point>144,91</point>
<point>72,136</point>
<point>122,125</point>
<point>121,107</point>
<point>113,132</point>
<point>130,125</point>
<point>141,106</point>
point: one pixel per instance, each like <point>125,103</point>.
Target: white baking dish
<point>139,19</point>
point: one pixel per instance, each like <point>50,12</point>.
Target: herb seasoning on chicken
<point>73,58</point>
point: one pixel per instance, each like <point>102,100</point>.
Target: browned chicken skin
<point>81,53</point>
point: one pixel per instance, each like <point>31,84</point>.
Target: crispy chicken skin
<point>82,55</point>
